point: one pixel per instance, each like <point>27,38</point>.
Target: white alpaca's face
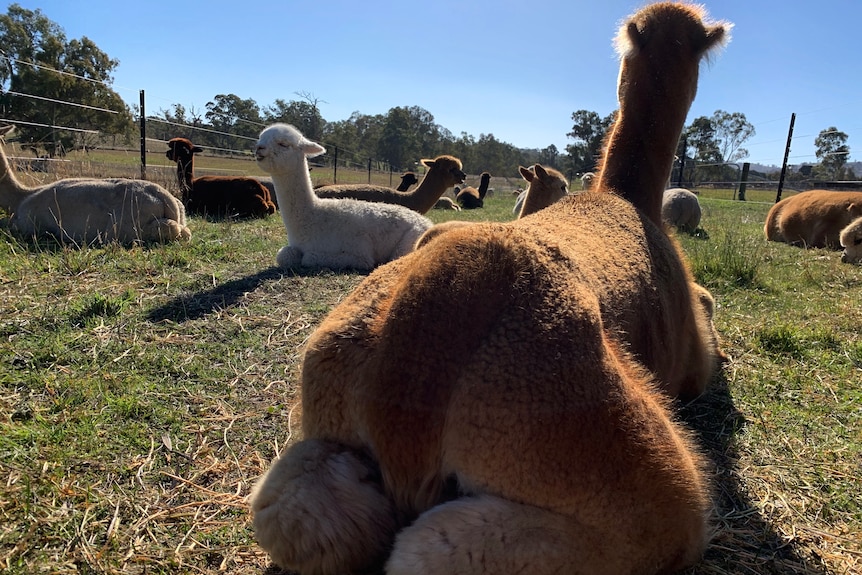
<point>281,145</point>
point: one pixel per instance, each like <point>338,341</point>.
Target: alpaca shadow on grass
<point>744,541</point>
<point>195,305</point>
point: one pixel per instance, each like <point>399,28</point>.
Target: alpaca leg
<point>321,508</point>
<point>487,534</point>
<point>288,257</point>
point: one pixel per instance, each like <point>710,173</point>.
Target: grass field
<point>143,390</point>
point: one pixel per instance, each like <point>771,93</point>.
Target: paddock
<point>146,390</point>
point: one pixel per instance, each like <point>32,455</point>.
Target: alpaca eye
<point>857,241</point>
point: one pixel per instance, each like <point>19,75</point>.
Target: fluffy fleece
<point>332,233</point>
<point>85,211</point>
<point>812,219</point>
<point>545,444</point>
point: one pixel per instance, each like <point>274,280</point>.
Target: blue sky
<point>517,70</point>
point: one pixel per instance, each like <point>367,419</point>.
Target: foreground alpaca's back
<point>333,233</point>
<point>443,173</point>
<point>546,444</point>
<point>89,210</point>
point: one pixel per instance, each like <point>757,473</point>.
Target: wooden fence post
<point>743,180</point>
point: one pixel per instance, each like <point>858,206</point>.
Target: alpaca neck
<point>294,191</point>
<point>426,194</point>
<point>483,187</point>
<point>12,192</point>
<point>185,175</point>
<point>639,152</point>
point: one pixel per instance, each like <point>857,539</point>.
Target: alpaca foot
<point>288,257</point>
<point>321,508</point>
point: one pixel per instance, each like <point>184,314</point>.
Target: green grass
<point>143,390</point>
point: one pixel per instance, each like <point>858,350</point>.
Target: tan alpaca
<point>813,219</point>
<point>443,173</point>
<point>84,211</point>
<point>544,445</point>
<point>545,186</point>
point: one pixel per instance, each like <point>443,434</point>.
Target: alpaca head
<point>851,241</point>
<point>280,147</point>
<point>448,168</point>
<point>662,36</point>
<point>182,150</point>
<point>546,183</point>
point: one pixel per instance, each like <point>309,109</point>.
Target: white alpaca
<point>88,210</point>
<point>680,209</point>
<point>324,232</point>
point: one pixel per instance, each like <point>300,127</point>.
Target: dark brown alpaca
<point>470,198</point>
<point>217,196</point>
<point>546,444</point>
<point>407,179</point>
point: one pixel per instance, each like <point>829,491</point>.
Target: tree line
<point>48,81</point>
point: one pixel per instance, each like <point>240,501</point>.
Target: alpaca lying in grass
<point>333,233</point>
<point>544,187</point>
<point>681,209</point>
<point>443,173</point>
<point>546,444</point>
<point>812,219</point>
<point>85,211</point>
<point>217,196</point>
<point>851,241</point>
<point>470,198</point>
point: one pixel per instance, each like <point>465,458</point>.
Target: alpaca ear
<point>197,150</point>
<point>716,36</point>
<point>526,174</point>
<point>312,149</point>
<point>541,171</point>
<point>427,163</point>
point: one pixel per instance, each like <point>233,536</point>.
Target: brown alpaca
<point>544,187</point>
<point>407,179</point>
<point>545,445</point>
<point>631,166</point>
<point>443,173</point>
<point>470,198</point>
<point>217,196</point>
<point>812,219</point>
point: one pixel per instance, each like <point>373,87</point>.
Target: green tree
<point>588,131</point>
<point>304,115</point>
<point>717,140</point>
<point>235,121</point>
<point>832,150</point>
<point>48,82</point>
